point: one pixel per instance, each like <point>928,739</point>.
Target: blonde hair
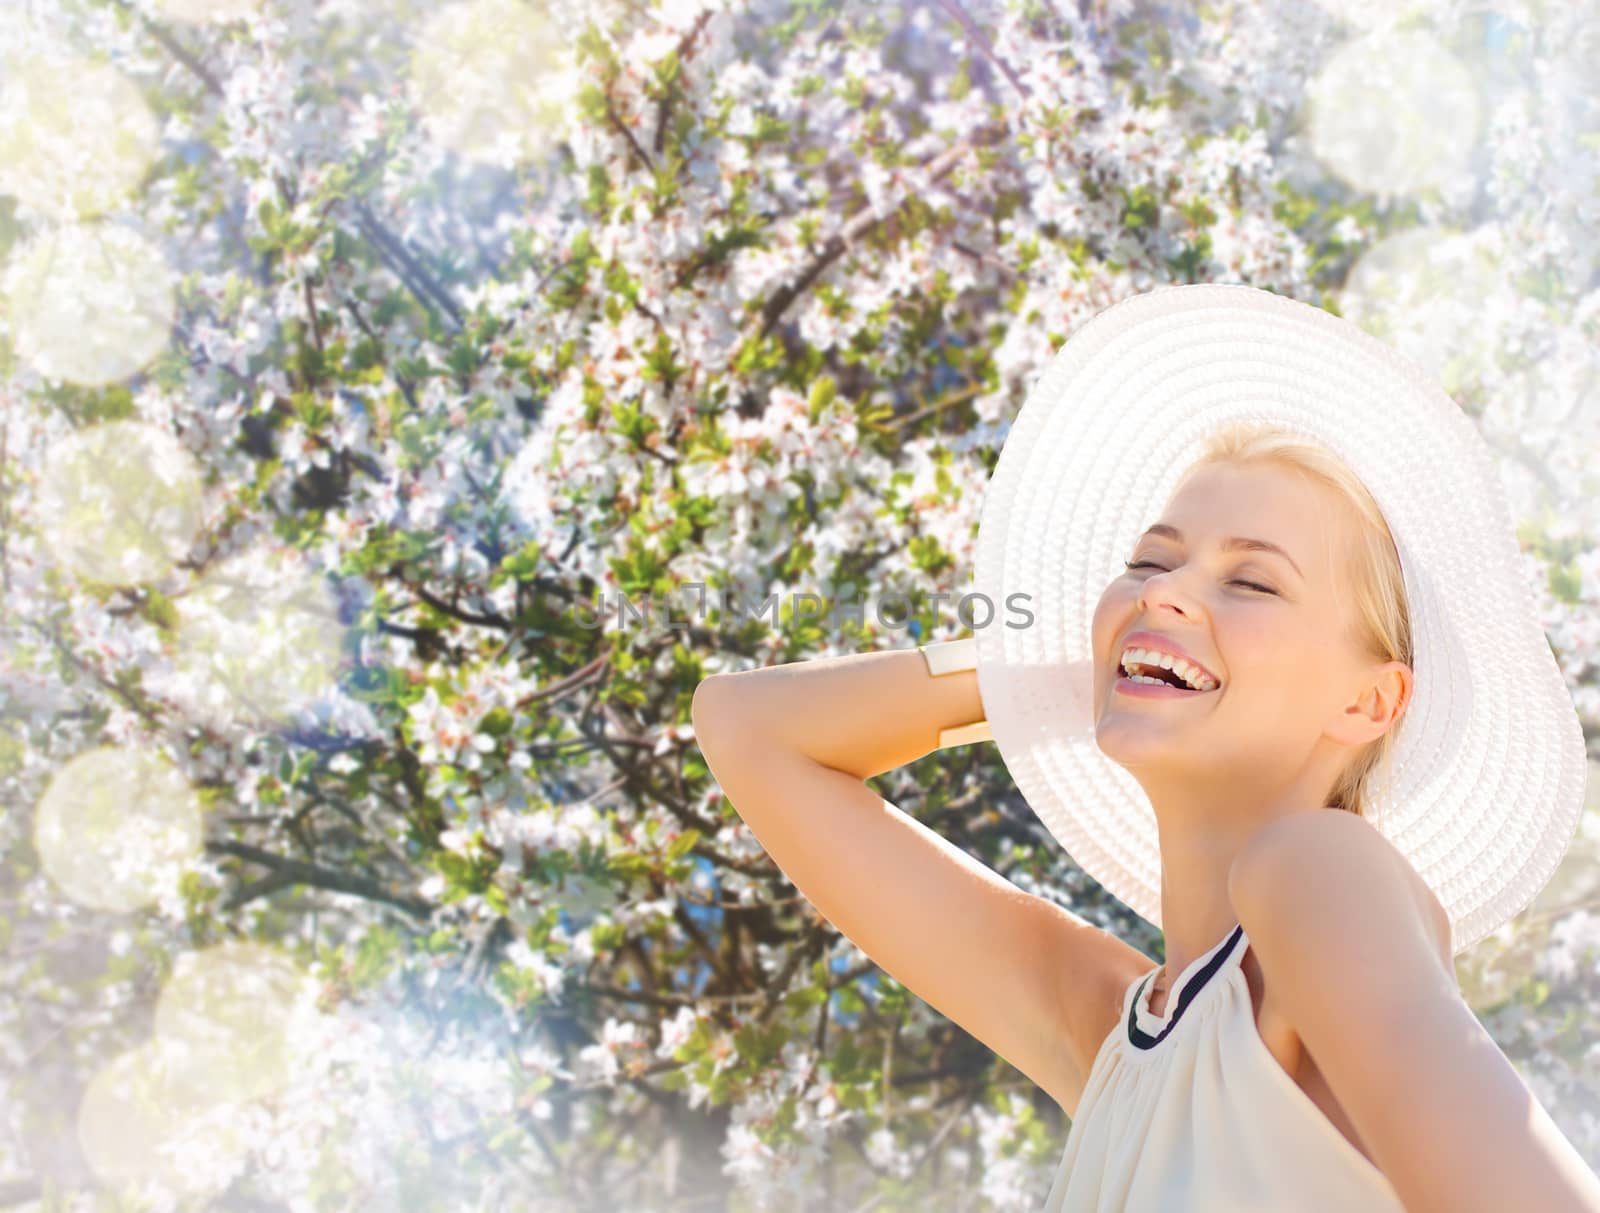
<point>1377,586</point>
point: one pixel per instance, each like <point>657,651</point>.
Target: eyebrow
<point>1231,544</point>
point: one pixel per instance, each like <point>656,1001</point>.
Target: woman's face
<point>1295,695</point>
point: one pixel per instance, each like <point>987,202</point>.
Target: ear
<point>1381,701</point>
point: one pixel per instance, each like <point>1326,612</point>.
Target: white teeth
<point>1188,671</point>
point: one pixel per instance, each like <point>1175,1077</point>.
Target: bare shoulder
<point>1342,853</point>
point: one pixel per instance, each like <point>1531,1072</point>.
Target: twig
<point>311,312</point>
<point>939,167</point>
<point>406,266</point>
<point>938,406</point>
<point>145,711</point>
<point>665,107</point>
<point>212,84</point>
<point>622,128</point>
<point>456,613</point>
<point>983,43</point>
<point>406,387</point>
<point>268,884</point>
<point>595,670</point>
<point>301,872</point>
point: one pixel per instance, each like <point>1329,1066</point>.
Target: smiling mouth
<point>1165,675</point>
<point>1176,686</point>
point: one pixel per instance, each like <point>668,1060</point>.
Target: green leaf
<point>495,898</point>
<point>683,844</point>
<point>496,722</point>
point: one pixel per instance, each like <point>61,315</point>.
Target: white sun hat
<point>1489,761</point>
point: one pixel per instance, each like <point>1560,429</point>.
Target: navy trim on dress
<point>1142,1039</point>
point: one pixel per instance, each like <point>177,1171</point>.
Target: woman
<point>1318,538</point>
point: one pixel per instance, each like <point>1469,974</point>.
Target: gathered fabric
<point>1189,1112</point>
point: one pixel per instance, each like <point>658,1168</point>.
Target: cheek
<point>1103,627</point>
<point>1288,672</point>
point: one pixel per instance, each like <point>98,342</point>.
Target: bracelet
<point>950,657</point>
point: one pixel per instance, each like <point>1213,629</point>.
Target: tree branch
<point>685,45</point>
<point>983,44</point>
<point>939,167</point>
<point>409,270</point>
<point>299,872</point>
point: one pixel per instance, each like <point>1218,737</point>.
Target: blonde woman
<point>1282,690</point>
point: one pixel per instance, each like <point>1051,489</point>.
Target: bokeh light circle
<point>119,502</point>
<point>1393,114</point>
<point>114,827</point>
<point>491,79</point>
<point>76,137</point>
<point>259,637</point>
<point>147,1117</point>
<point>233,1006</point>
<point>89,303</point>
<point>1422,291</point>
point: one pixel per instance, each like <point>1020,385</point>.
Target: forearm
<point>861,713</point>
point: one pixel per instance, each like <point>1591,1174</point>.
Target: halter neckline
<point>1146,1029</point>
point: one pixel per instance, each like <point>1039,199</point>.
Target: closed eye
<point>1149,564</point>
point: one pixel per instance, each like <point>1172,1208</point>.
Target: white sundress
<point>1188,1112</point>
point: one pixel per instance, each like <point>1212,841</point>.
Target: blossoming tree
<point>360,358</point>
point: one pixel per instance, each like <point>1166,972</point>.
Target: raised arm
<point>792,747</point>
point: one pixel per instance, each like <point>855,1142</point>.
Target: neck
<point>1197,854</point>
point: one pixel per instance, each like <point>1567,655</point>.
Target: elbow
<point>705,707</point>
<point>734,704</point>
<point>718,722</point>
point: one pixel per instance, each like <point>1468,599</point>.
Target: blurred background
<point>360,358</point>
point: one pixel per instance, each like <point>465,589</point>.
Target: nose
<point>1159,590</point>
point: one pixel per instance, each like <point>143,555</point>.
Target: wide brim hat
<point>1489,766</point>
